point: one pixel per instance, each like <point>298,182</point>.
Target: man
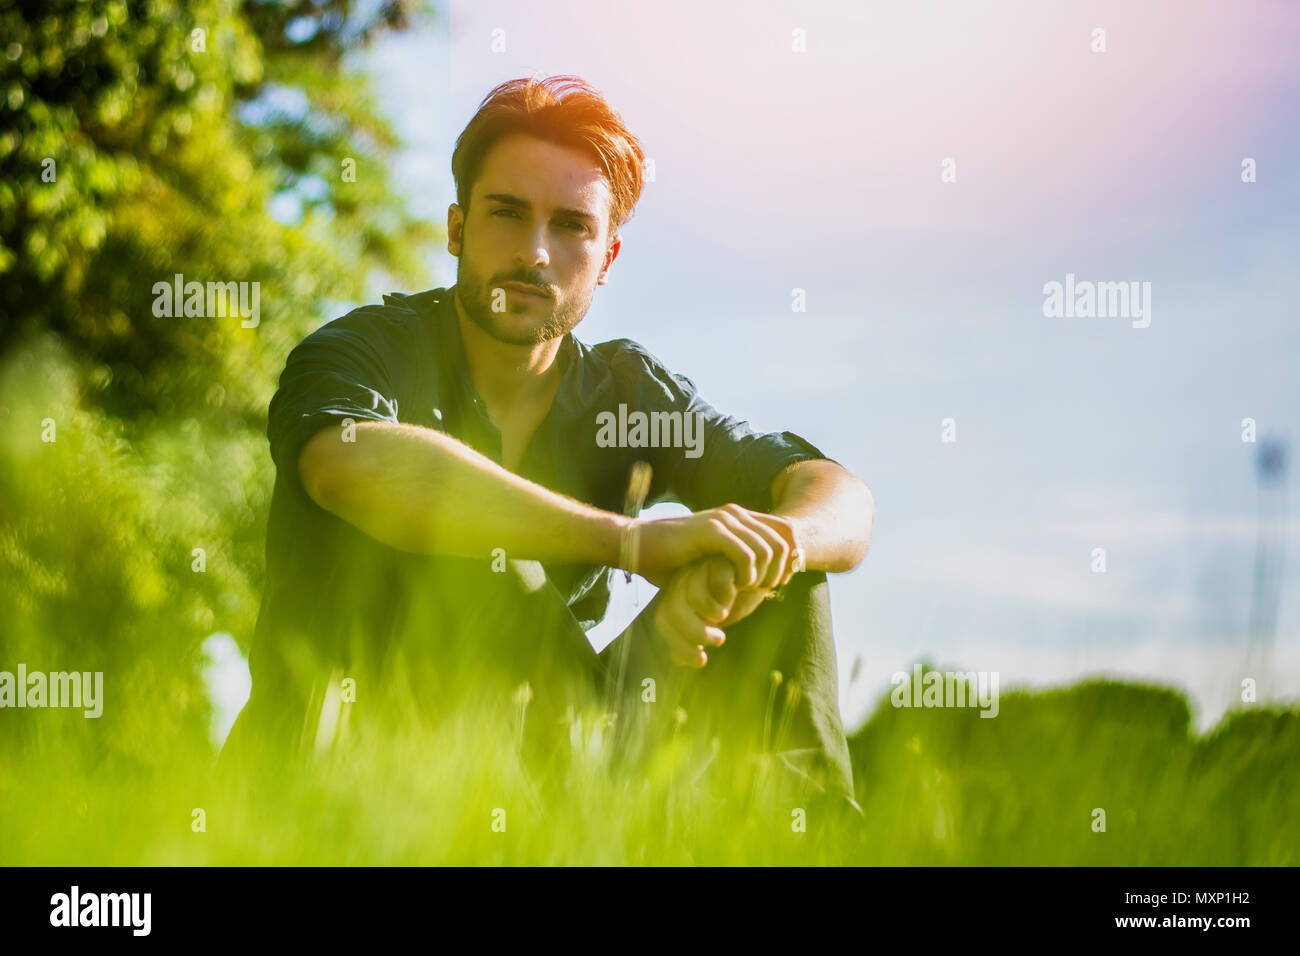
<point>447,508</point>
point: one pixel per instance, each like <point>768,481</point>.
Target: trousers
<point>770,691</point>
<point>467,634</point>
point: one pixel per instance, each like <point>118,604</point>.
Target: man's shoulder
<point>631,355</point>
<point>643,372</point>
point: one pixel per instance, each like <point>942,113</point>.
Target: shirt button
<point>437,413</point>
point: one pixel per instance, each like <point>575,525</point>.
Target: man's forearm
<point>832,511</point>
<point>419,490</point>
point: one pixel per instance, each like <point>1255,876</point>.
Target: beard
<point>530,322</point>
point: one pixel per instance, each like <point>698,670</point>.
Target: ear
<point>610,255</point>
<point>455,227</point>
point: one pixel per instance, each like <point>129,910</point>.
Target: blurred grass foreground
<point>937,787</point>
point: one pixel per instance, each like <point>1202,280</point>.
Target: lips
<point>520,289</point>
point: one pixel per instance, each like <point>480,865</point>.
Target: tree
<point>222,141</point>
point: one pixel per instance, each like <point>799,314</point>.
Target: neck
<point>505,375</point>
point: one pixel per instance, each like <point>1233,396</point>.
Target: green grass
<point>937,787</point>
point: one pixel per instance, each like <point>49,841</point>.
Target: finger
<point>689,637</point>
<point>697,660</point>
<point>778,523</point>
<point>684,652</point>
<point>720,539</point>
<point>722,582</point>
<point>688,655</point>
<point>699,594</point>
<point>694,657</point>
<point>755,535</point>
<point>785,529</point>
<point>778,569</point>
<point>687,629</point>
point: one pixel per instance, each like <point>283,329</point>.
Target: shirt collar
<point>587,380</point>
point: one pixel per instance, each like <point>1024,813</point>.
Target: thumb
<point>722,581</point>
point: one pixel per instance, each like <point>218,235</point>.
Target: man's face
<point>538,216</point>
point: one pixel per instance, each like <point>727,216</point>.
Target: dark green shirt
<point>336,589</point>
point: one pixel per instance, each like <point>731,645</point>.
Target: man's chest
<point>517,434</point>
<point>515,428</point>
<point>520,439</point>
<point>550,441</point>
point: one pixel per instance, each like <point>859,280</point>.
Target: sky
<point>805,146</point>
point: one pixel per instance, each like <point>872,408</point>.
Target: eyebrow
<point>508,200</point>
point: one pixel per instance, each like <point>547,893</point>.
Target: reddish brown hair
<point>564,110</point>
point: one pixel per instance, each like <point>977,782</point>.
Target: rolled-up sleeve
<point>734,463</point>
<point>336,373</point>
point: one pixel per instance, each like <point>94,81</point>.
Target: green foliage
<point>949,787</point>
<point>171,128</point>
<point>139,140</point>
<point>97,534</point>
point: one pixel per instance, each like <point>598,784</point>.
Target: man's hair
<point>564,110</point>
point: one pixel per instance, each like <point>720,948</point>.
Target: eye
<point>576,226</point>
<point>506,212</point>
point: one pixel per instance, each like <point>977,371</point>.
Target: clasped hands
<point>713,569</point>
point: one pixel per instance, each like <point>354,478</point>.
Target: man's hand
<point>687,612</point>
<point>758,546</point>
<point>739,602</point>
<point>698,601</point>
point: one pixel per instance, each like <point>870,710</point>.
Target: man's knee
<point>783,669</point>
<point>779,634</point>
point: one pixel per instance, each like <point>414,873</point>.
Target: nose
<point>534,254</point>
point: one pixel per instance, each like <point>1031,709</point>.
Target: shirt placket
<point>487,437</point>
